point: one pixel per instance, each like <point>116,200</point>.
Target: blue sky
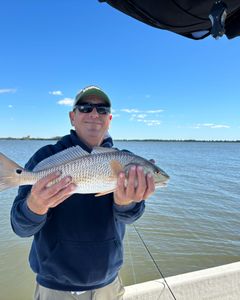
<point>162,86</point>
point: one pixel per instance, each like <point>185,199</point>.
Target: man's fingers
<point>130,188</point>
<point>43,182</point>
<point>136,188</point>
<point>150,186</point>
<point>141,183</point>
<point>136,185</point>
<point>54,189</point>
<point>46,194</point>
<point>62,195</point>
<point>121,185</point>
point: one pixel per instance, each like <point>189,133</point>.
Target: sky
<point>162,85</point>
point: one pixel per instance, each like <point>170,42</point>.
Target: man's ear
<point>71,117</point>
<point>110,117</point>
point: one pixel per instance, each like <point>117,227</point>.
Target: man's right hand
<point>44,196</point>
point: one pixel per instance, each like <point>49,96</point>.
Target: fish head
<point>160,177</point>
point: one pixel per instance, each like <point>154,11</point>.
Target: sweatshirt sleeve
<point>24,222</point>
<point>128,214</point>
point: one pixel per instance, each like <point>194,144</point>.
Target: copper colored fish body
<point>96,172</point>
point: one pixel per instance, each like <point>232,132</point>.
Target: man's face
<point>91,127</point>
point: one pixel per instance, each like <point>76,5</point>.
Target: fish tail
<point>10,173</point>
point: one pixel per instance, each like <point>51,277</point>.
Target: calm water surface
<point>191,224</point>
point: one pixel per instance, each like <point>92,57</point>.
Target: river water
<point>191,224</point>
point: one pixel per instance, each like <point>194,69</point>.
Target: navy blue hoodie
<point>78,244</point>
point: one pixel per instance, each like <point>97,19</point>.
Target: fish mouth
<point>161,183</point>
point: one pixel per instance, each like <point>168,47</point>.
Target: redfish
<point>96,172</point>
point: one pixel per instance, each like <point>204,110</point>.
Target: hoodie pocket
<point>83,263</point>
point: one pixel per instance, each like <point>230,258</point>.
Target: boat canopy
<point>195,19</point>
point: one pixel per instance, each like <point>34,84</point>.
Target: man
<point>77,248</point>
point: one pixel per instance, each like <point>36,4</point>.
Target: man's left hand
<point>134,188</point>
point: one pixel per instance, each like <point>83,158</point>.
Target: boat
<point>218,283</point>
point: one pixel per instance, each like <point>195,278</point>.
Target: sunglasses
<point>88,107</point>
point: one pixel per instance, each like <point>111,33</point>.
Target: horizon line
<point>128,140</point>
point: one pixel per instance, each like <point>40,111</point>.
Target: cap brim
<point>90,92</point>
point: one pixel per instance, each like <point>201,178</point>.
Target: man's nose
<point>94,113</point>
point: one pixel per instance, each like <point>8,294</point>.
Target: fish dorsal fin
<point>98,150</point>
<point>60,158</point>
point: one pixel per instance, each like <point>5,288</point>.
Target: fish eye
<point>18,171</point>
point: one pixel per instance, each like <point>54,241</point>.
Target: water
<point>191,224</point>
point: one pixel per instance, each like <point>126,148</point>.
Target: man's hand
<point>43,196</point>
<point>139,186</point>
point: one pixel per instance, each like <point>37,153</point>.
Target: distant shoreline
<point>126,140</point>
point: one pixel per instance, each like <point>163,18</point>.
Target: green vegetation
<point>26,138</point>
<point>126,140</point>
<point>175,140</point>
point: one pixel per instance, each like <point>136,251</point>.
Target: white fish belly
<point>94,188</point>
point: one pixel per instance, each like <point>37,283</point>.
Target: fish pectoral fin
<point>116,167</point>
<point>104,193</point>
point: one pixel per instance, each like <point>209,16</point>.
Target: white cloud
<point>135,110</point>
<point>66,101</point>
<point>141,116</point>
<point>210,125</point>
<point>136,117</point>
<point>5,91</point>
<point>115,115</point>
<point>56,93</point>
<point>130,110</point>
<point>10,106</point>
<point>207,124</point>
<point>150,122</point>
<point>220,126</point>
<point>143,119</point>
<point>154,111</point>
